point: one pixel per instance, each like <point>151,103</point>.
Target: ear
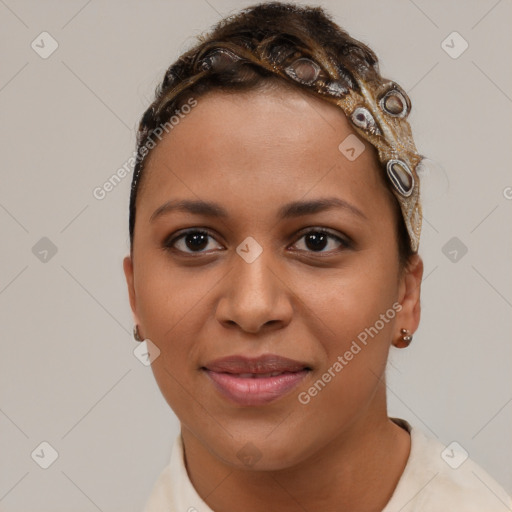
<point>409,297</point>
<point>128,273</point>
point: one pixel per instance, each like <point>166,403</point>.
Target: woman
<point>274,227</point>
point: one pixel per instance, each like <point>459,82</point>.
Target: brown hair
<point>256,43</point>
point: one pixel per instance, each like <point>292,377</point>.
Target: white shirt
<point>428,483</point>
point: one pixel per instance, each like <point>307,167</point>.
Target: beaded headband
<point>377,108</point>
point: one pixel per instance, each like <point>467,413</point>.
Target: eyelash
<point>169,243</point>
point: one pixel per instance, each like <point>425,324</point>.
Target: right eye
<point>194,239</point>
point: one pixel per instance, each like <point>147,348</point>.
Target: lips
<point>255,381</point>
<point>268,363</point>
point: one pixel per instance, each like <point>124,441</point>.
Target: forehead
<point>272,142</point>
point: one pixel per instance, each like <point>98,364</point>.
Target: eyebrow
<point>287,211</point>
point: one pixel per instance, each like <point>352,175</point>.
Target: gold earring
<point>136,334</point>
<point>405,339</point>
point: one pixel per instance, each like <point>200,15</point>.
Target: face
<point>274,310</point>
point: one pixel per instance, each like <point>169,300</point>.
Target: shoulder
<point>173,491</point>
<point>161,498</point>
<point>438,478</point>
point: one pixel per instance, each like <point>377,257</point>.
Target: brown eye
<point>191,241</point>
<point>362,118</point>
<point>317,239</point>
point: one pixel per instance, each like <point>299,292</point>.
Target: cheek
<point>351,300</point>
<point>169,298</point>
<point>175,307</point>
<point>356,310</point>
<point>359,323</point>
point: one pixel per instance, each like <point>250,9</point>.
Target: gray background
<point>68,374</point>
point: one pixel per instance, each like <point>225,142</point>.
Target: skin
<point>252,152</point>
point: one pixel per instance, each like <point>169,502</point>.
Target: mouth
<point>255,381</point>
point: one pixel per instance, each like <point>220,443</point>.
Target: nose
<point>255,296</point>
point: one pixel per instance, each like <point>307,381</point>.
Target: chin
<point>257,451</point>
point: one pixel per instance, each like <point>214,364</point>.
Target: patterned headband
<point>376,107</point>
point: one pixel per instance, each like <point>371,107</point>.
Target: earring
<point>405,339</point>
<point>136,334</point>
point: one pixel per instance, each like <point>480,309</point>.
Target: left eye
<point>317,239</point>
